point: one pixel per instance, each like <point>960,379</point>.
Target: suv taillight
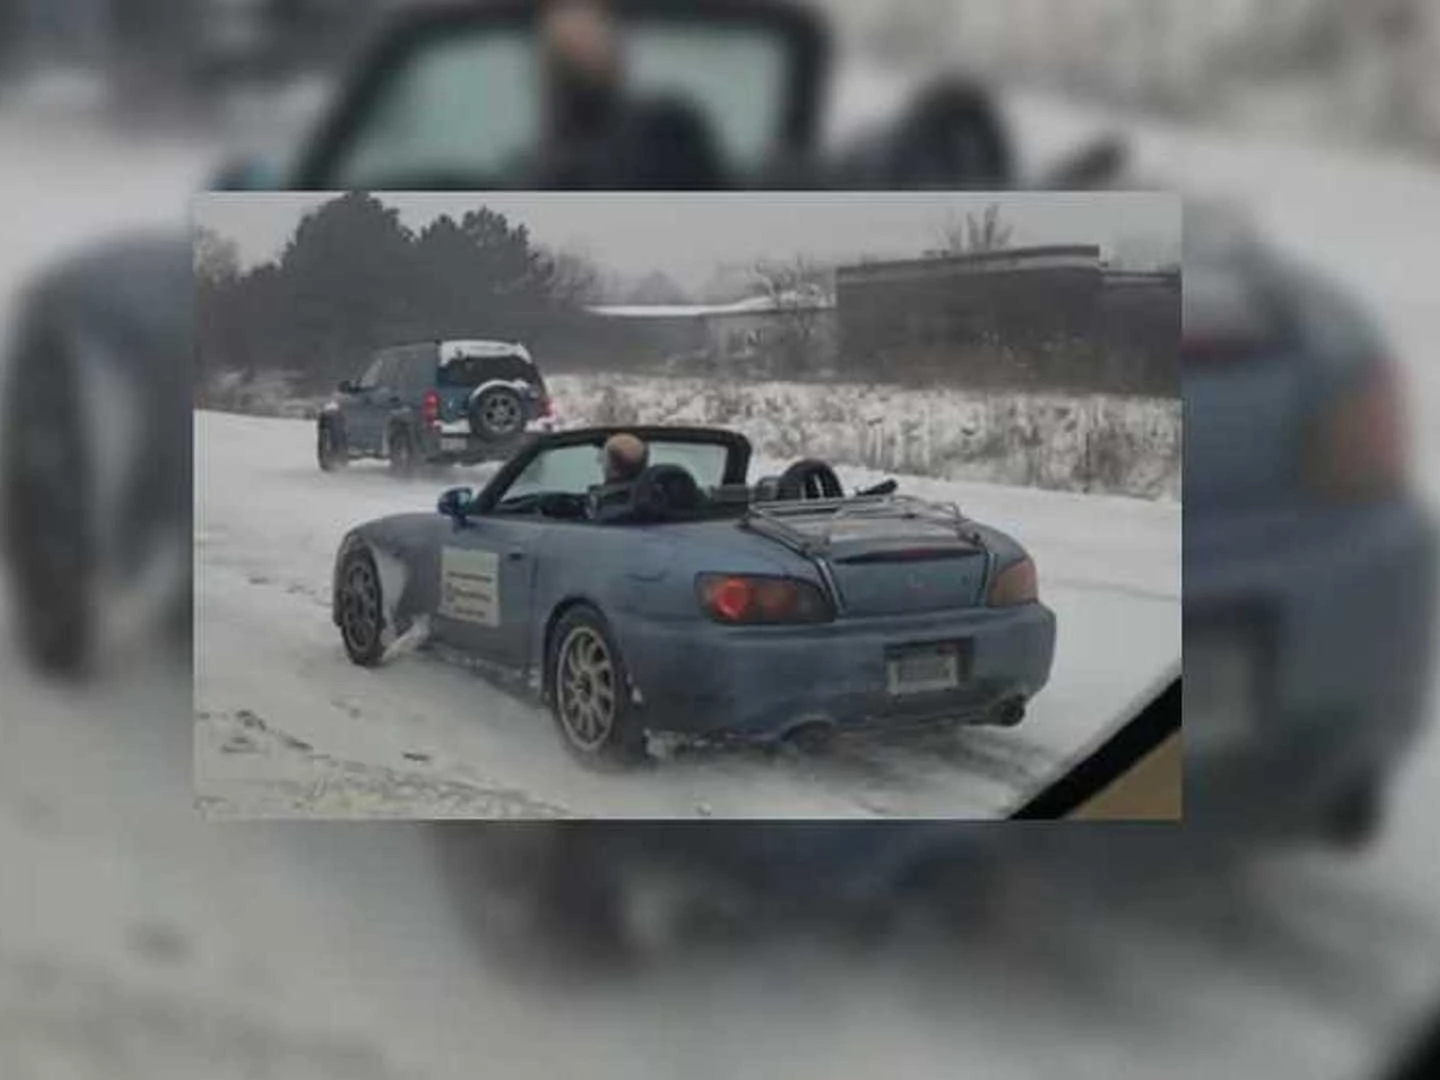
<point>1357,450</point>
<point>749,599</point>
<point>430,408</point>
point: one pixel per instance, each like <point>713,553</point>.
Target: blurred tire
<point>332,451</point>
<point>49,553</point>
<point>1358,815</point>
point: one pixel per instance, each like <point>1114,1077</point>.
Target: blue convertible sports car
<point>690,601</point>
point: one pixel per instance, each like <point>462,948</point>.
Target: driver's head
<point>623,458</point>
<point>580,48</point>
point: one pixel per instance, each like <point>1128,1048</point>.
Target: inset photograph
<point>680,505</point>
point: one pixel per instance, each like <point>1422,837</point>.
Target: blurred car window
<point>570,470</point>
<point>705,463</point>
<point>465,105</point>
<point>471,105</point>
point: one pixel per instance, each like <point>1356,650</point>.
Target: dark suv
<point>440,402</point>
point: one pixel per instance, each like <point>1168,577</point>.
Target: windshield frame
<point>394,46</point>
<point>737,458</point>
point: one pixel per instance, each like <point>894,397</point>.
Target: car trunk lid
<point>885,556</point>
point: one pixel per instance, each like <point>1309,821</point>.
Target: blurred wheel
<point>49,550</point>
<point>332,451</point>
<point>1358,815</point>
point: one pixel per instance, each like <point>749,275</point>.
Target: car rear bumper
<point>1332,614</point>
<point>764,682</point>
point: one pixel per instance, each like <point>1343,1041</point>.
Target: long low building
<point>1043,317</point>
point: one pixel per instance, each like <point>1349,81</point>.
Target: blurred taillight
<point>751,599</point>
<point>1357,449</point>
<point>1014,585</point>
<point>430,408</point>
<point>547,406</point>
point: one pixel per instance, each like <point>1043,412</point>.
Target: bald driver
<point>623,458</point>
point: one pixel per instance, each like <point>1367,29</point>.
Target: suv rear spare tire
<point>497,413</point>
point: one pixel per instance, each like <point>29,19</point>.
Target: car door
<point>366,407</point>
<point>487,577</point>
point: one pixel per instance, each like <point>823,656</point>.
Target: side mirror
<point>455,503</point>
<point>245,174</point>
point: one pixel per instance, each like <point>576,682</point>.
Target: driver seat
<point>660,493</point>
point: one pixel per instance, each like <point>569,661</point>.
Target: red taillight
<point>547,407</point>
<point>1358,448</point>
<point>431,408</point>
<point>736,598</point>
<point>1016,584</point>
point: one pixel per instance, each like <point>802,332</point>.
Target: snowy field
<point>137,941</point>
<point>1088,443</point>
<point>1093,443</point>
<point>286,726</point>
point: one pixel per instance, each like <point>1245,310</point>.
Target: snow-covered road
<point>286,726</point>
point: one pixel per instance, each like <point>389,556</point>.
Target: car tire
<point>1356,818</point>
<point>332,451</point>
<point>590,693</point>
<point>360,608</point>
<point>498,413</point>
<point>402,452</point>
<point>49,545</point>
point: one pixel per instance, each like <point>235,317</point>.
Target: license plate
<point>923,670</point>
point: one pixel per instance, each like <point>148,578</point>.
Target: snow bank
<point>1089,443</point>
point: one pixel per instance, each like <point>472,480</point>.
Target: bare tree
<point>572,279</point>
<point>217,258</point>
<point>966,234</point>
<point>799,290</point>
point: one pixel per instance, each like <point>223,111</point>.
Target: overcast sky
<point>687,236</point>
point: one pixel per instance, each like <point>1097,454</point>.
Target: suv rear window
<point>474,370</point>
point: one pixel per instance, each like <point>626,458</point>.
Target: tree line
<point>353,277</point>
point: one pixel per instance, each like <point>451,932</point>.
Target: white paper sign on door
<point>470,586</point>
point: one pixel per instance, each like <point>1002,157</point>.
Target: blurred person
<point>598,133</point>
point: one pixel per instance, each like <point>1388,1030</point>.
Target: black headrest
<point>666,489</point>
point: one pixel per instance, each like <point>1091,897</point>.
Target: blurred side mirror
<point>456,503</point>
<point>245,174</point>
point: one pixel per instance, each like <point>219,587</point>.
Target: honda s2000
<point>692,602</point>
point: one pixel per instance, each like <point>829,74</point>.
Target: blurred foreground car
<point>1309,563</point>
<point>687,601</point>
<point>104,343</point>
